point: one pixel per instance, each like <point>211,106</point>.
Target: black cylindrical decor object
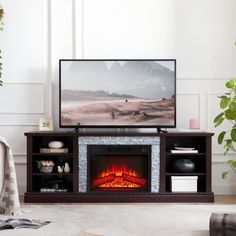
<point>184,165</point>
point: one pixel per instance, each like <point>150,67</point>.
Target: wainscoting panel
<point>15,119</point>
<point>28,98</point>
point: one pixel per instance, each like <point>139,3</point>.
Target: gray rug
<point>120,219</point>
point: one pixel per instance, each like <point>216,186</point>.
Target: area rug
<point>144,219</point>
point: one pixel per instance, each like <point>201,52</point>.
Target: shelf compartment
<point>199,143</point>
<point>42,142</point>
<point>201,183</point>
<point>50,181</point>
<point>200,163</point>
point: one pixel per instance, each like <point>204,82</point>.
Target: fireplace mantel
<point>162,159</point>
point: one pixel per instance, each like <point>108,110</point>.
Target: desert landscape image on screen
<point>117,93</point>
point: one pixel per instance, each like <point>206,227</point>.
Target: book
<point>53,150</point>
<point>52,190</point>
<point>183,151</point>
<point>21,223</point>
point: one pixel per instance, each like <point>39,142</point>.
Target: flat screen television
<point>117,93</point>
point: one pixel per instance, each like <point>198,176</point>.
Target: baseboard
<point>224,189</point>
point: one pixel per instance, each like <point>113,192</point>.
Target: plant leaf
<point>221,137</point>
<point>229,162</point>
<point>233,164</point>
<point>224,174</point>
<point>229,143</point>
<point>230,84</point>
<point>219,121</point>
<point>230,114</point>
<point>218,117</point>
<point>226,150</point>
<point>233,134</point>
<point>224,102</point>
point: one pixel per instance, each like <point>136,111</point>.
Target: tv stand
<point>37,181</point>
<point>159,130</point>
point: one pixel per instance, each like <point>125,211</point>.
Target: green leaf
<point>218,117</point>
<point>229,143</point>
<point>233,134</point>
<point>230,84</point>
<point>229,162</point>
<point>226,151</point>
<point>232,105</point>
<point>221,137</point>
<point>219,121</point>
<point>233,164</point>
<point>230,114</point>
<point>224,174</point>
<point>224,102</point>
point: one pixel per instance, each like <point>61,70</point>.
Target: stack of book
<point>53,150</point>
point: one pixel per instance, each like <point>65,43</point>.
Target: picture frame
<point>46,124</point>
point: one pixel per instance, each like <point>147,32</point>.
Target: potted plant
<point>228,137</point>
<point>45,166</point>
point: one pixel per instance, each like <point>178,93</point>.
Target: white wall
<point>199,34</point>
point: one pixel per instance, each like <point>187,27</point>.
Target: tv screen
<point>117,93</point>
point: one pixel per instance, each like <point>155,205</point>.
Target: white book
<point>184,151</point>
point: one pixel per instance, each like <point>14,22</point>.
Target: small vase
<point>59,169</point>
<point>67,168</point>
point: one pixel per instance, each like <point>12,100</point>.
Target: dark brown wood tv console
<point>70,181</point>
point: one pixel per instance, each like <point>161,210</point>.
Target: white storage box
<point>184,183</point>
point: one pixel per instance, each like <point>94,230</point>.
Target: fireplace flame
<point>118,171</point>
<point>119,177</point>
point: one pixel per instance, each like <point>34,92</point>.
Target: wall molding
<point>25,82</point>
<point>204,78</point>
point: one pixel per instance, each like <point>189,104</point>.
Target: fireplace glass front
<point>119,167</point>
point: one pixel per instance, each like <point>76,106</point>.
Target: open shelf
<point>36,181</point>
<point>200,161</point>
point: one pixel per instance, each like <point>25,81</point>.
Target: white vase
<point>59,169</point>
<point>67,168</point>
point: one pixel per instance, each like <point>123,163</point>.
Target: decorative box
<point>184,183</point>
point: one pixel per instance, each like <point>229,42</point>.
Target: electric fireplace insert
<point>119,168</point>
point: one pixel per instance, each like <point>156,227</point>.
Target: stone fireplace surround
<point>154,142</point>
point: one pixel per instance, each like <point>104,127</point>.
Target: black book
<point>21,223</point>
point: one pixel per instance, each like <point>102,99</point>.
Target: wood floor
<point>218,199</point>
